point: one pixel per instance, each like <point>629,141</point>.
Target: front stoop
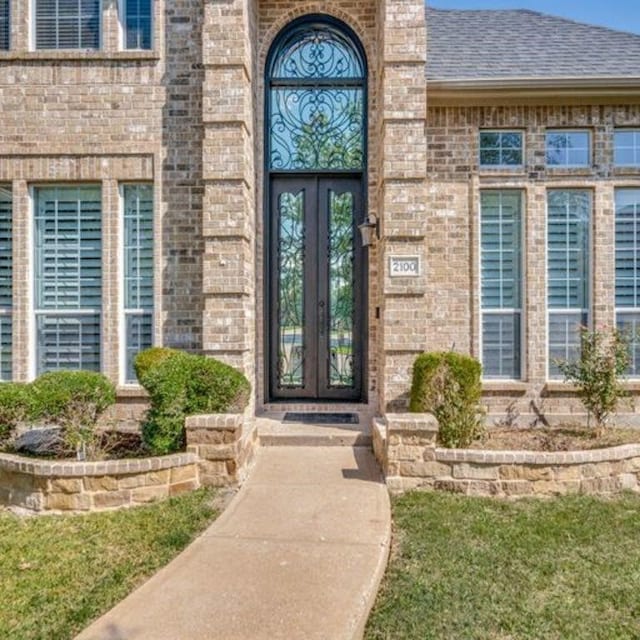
<point>273,431</point>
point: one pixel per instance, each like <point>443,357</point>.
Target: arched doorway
<point>315,155</point>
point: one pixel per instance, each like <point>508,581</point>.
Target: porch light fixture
<point>369,230</point>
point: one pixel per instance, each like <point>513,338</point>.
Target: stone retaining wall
<point>46,485</point>
<point>406,449</point>
<point>225,445</point>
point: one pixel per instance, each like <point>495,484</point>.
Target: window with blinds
<point>6,282</point>
<point>5,25</point>
<point>568,225</point>
<point>628,270</point>
<point>501,283</point>
<point>138,272</point>
<point>68,277</point>
<point>137,24</point>
<point>67,24</point>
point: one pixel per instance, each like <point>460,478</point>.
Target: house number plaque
<point>404,266</point>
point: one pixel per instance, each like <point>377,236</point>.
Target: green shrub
<point>597,374</point>
<point>448,385</point>
<point>181,385</point>
<point>149,358</point>
<point>15,406</point>
<point>73,400</point>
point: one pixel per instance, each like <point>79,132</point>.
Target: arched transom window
<point>316,98</point>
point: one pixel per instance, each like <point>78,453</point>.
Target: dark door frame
<point>270,175</point>
<point>316,285</point>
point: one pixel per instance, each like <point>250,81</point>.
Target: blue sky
<point>617,14</point>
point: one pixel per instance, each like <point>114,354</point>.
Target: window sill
<point>504,386</point>
<point>131,391</point>
<point>555,170</point>
<point>501,169</point>
<point>79,55</point>
<point>558,386</point>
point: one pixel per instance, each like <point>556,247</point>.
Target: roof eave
<point>490,89</point>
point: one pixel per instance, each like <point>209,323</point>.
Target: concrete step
<point>273,432</point>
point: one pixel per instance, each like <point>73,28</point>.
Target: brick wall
<point>452,238</point>
<point>106,117</point>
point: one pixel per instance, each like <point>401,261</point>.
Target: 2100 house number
<point>406,266</point>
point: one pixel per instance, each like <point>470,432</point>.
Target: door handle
<point>321,318</point>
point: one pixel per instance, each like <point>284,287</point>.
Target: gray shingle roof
<point>512,44</point>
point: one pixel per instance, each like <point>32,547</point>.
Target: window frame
<point>588,311</point>
<point>6,27</point>
<point>122,27</point>
<point>501,165</point>
<point>33,35</point>
<point>35,309</point>
<point>521,310</point>
<point>6,311</point>
<point>565,149</point>
<point>124,311</point>
<point>635,148</point>
<point>633,310</point>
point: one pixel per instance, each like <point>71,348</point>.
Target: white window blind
<point>5,24</point>
<point>628,270</point>
<point>67,24</point>
<point>568,225</point>
<point>501,282</point>
<point>138,272</point>
<point>137,24</point>
<point>6,282</point>
<point>68,277</point>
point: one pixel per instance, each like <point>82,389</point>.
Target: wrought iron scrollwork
<point>316,103</point>
<point>317,52</point>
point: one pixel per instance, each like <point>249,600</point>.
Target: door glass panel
<point>341,290</point>
<point>291,291</point>
<point>315,128</point>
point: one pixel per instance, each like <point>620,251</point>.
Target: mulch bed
<point>561,438</point>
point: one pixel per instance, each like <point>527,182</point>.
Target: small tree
<point>597,374</point>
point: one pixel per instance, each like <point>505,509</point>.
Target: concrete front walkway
<point>298,554</point>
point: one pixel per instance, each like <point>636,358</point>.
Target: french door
<point>316,317</point>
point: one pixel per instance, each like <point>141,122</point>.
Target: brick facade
<point>188,116</point>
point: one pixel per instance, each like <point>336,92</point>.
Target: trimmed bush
<point>73,400</point>
<point>149,358</point>
<point>181,385</point>
<point>15,406</point>
<point>448,385</point>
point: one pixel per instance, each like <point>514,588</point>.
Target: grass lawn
<point>57,573</point>
<point>470,568</point>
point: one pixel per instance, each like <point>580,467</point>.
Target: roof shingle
<point>519,44</point>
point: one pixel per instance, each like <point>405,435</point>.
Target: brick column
<point>22,312</point>
<point>402,192</point>
<point>228,224</point>
<point>535,281</point>
<point>111,278</point>
<point>603,274</point>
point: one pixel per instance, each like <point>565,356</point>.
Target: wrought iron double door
<point>317,288</point>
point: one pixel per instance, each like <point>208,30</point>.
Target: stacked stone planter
<point>405,445</point>
<point>45,485</point>
<point>220,450</point>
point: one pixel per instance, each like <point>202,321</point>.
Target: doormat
<point>322,418</point>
